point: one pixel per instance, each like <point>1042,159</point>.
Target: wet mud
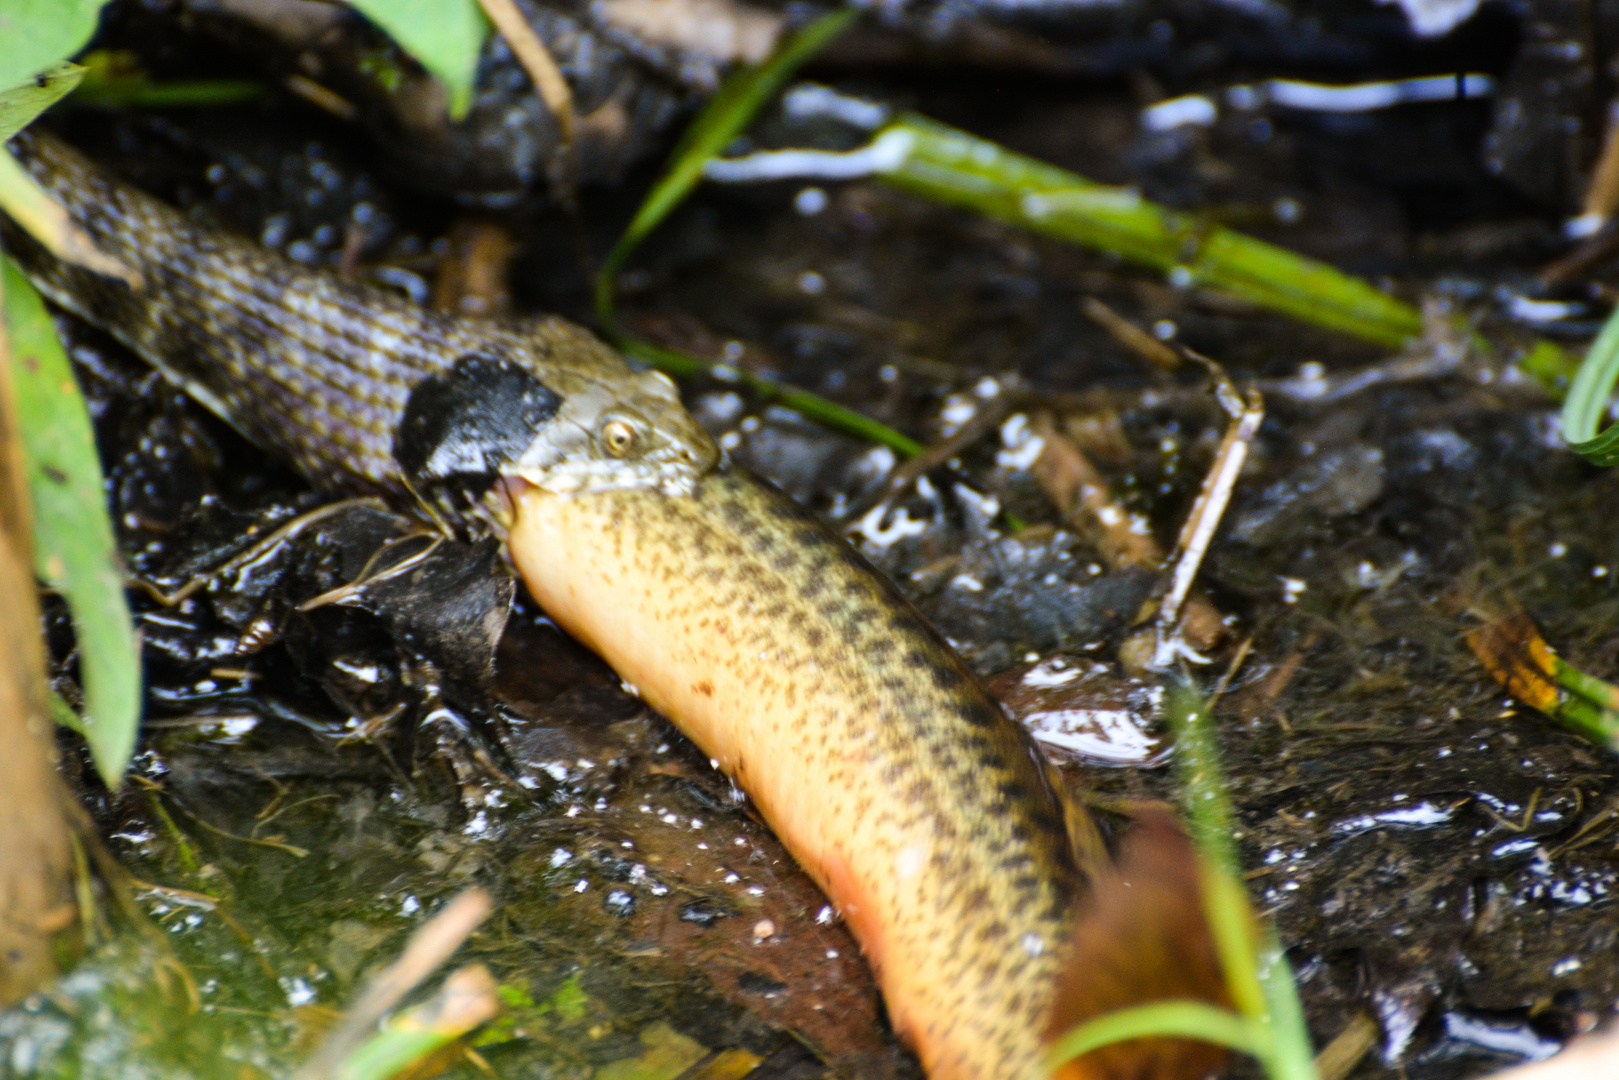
<point>324,763</point>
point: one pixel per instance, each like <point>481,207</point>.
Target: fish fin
<point>1139,936</point>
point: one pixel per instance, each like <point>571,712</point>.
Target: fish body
<point>890,774</point>
<point>926,815</point>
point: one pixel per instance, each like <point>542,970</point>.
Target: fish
<point>930,818</point>
<point>927,815</point>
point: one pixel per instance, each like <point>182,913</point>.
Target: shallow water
<point>308,791</point>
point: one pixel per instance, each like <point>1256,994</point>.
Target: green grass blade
<point>38,34</point>
<point>1515,654</point>
<point>731,109</point>
<point>1589,720</point>
<point>1287,1053</point>
<point>1259,979</point>
<point>467,999</point>
<point>181,93</point>
<point>1162,1019</point>
<point>803,402</point>
<point>1587,399</point>
<point>727,113</point>
<point>956,168</point>
<point>20,104</point>
<point>1210,821</point>
<point>24,201</point>
<point>444,36</point>
<point>74,549</point>
<point>1597,691</point>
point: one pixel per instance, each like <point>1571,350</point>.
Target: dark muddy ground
<point>309,788</point>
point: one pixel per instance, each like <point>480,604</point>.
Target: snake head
<point>489,417</point>
<point>620,433</point>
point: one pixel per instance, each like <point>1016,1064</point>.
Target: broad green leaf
<point>444,36</point>
<point>666,1054</point>
<point>74,550</point>
<point>20,104</point>
<point>35,35</point>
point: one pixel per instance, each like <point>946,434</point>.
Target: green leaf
<point>20,104</point>
<point>1159,1019</point>
<point>38,34</point>
<point>74,550</point>
<point>63,714</point>
<point>1588,399</point>
<point>444,36</point>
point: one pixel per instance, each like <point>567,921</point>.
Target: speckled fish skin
<point>312,367</point>
<point>891,775</point>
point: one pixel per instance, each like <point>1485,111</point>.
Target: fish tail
<point>1140,936</point>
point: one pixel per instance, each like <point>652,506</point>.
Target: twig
<point>989,415</point>
<point>259,841</point>
<point>537,61</point>
<point>1162,358</point>
<point>343,593</point>
<point>431,945</point>
<point>1340,1056</point>
<point>1205,518</point>
<point>1085,499</point>
<point>328,101</point>
<point>263,547</point>
<point>1588,254</point>
<point>1231,670</point>
<point>1080,491</point>
<point>47,221</point>
<point>467,999</point>
<point>1246,414</point>
<point>198,901</point>
<point>1602,197</point>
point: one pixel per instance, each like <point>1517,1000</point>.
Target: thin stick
<point>1160,356</point>
<point>989,416</point>
<point>1198,532</point>
<point>432,944</point>
<point>343,593</point>
<point>1340,1056</point>
<point>1086,500</point>
<point>536,60</point>
<point>1602,197</point>
<point>263,547</point>
<point>1231,669</point>
<point>328,101</point>
<point>1082,494</point>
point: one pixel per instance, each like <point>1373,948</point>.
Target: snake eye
<point>618,438</point>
